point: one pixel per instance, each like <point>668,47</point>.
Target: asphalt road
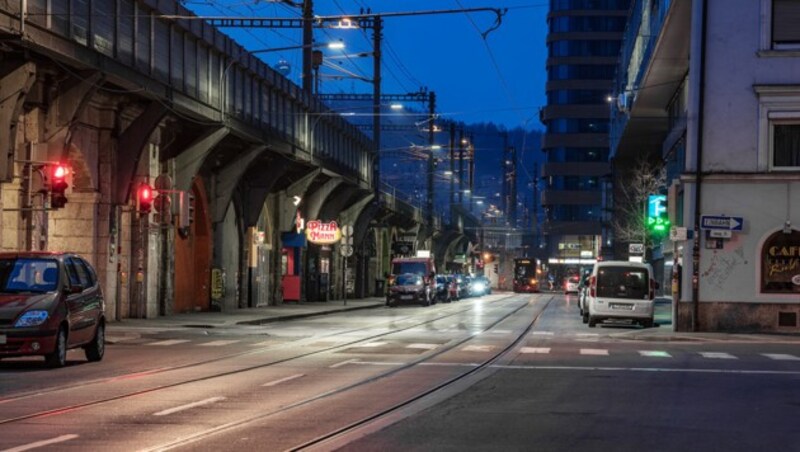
<point>504,372</point>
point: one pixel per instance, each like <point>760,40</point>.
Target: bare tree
<point>644,178</point>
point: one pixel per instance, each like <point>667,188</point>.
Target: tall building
<point>583,50</point>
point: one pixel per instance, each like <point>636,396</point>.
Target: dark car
<point>49,303</point>
<point>446,288</point>
<point>410,288</point>
<point>463,285</point>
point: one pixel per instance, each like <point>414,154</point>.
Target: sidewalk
<point>129,329</point>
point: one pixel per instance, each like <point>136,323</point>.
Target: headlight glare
<point>31,318</point>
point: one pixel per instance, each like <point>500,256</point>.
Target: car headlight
<point>31,318</point>
<point>479,286</point>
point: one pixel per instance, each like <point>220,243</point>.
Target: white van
<point>621,290</point>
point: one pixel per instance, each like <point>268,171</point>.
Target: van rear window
<point>623,282</point>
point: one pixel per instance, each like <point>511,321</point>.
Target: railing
<point>190,61</point>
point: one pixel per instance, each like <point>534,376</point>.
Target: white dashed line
<point>542,350</point>
<point>282,380</point>
<point>218,343</point>
<point>422,346</point>
<point>717,355</point>
<point>655,354</point>
<point>781,357</point>
<point>38,444</point>
<point>477,348</point>
<point>542,333</point>
<point>594,351</point>
<point>500,332</point>
<point>189,406</point>
<point>343,363</point>
<point>371,344</point>
<point>169,342</point>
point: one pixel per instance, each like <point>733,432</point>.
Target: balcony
<point>653,64</point>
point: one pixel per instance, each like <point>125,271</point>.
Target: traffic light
<point>144,199</point>
<point>58,186</point>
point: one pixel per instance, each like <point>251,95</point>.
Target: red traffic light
<point>144,198</point>
<point>58,186</point>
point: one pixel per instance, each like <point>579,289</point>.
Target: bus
<point>525,275</point>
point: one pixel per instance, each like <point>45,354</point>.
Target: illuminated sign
<point>657,220</point>
<point>323,233</point>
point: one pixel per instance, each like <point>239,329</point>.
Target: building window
<point>786,24</point>
<point>785,146</point>
<point>779,127</point>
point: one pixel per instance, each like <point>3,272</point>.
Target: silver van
<point>620,290</point>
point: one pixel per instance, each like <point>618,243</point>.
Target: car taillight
<point>593,286</point>
<point>652,289</point>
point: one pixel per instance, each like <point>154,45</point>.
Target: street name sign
<point>720,222</point>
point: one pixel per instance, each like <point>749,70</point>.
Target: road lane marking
<point>189,406</point>
<point>378,363</point>
<point>500,332</point>
<point>38,444</point>
<point>717,355</point>
<point>543,350</point>
<point>219,343</point>
<point>781,357</point>
<point>594,351</point>
<point>262,343</point>
<point>542,333</point>
<point>655,353</point>
<point>423,346</point>
<point>169,342</point>
<point>371,344</point>
<point>282,380</point>
<point>343,363</point>
<point>477,348</point>
<point>651,369</point>
<point>587,334</point>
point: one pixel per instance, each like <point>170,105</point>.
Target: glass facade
<point>584,38</point>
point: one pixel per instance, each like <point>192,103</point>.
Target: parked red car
<point>49,303</point>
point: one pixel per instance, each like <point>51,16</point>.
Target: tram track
<point>338,433</point>
<point>160,371</point>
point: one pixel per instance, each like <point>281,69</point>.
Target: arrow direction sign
<point>720,222</point>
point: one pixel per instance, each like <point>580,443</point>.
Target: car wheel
<point>592,322</point>
<point>58,357</point>
<point>97,348</point>
<point>647,323</point>
<point>585,317</point>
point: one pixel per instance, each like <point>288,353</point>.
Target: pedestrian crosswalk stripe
<point>218,343</point>
<point>542,333</point>
<point>543,350</point>
<point>477,348</point>
<point>587,334</point>
<point>422,346</point>
<point>500,332</point>
<point>717,355</point>
<point>371,344</point>
<point>655,353</point>
<point>594,351</point>
<point>781,357</point>
<point>169,342</point>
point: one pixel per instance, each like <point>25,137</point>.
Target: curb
<point>305,315</point>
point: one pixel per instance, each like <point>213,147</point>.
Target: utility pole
<point>471,156</point>
<point>431,166</point>
<point>452,166</point>
<point>461,167</point>
<point>513,185</point>
<point>308,41</point>
<point>377,35</point>
<point>504,166</point>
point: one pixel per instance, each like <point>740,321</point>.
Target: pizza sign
<point>323,233</point>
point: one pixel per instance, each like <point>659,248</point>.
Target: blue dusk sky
<point>500,79</point>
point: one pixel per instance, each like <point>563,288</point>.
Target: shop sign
<point>323,233</point>
<point>780,263</point>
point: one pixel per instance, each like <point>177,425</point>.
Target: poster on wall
<point>780,263</point>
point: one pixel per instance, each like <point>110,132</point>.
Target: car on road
<point>479,286</point>
<point>411,288</point>
<point>571,284</point>
<point>621,290</point>
<point>463,285</point>
<point>446,288</point>
<point>49,303</point>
